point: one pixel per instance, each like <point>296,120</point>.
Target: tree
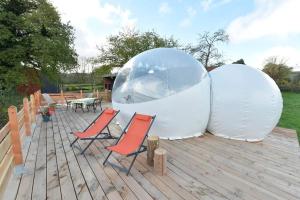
<point>297,78</point>
<point>277,69</point>
<point>206,50</point>
<point>33,39</point>
<point>128,43</point>
<point>103,70</point>
<point>240,61</point>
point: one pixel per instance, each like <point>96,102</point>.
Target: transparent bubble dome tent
<point>167,83</point>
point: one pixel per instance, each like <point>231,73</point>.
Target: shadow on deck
<point>207,167</point>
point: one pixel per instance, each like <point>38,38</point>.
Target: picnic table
<point>81,103</point>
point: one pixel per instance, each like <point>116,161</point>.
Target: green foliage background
<point>125,45</point>
<point>32,37</point>
<point>33,42</point>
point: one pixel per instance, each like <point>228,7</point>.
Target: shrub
<point>8,98</point>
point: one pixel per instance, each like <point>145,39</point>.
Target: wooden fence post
<point>32,108</point>
<point>97,94</point>
<point>15,135</point>
<point>40,98</point>
<point>27,124</point>
<point>81,95</point>
<point>36,98</point>
<point>38,94</point>
<point>61,94</point>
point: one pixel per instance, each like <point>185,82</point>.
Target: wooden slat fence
<point>60,97</point>
<point>12,136</point>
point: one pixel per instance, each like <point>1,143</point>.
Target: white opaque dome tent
<point>167,83</point>
<point>246,103</point>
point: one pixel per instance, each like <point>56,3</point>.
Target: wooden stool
<point>152,144</point>
<point>160,161</point>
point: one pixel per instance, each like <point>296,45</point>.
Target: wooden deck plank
<point>285,131</point>
<point>135,185</point>
<point>53,185</point>
<point>66,184</point>
<point>14,181</point>
<point>108,188</point>
<point>258,177</point>
<point>39,190</point>
<point>279,144</point>
<point>155,181</point>
<point>192,184</point>
<point>173,182</point>
<point>140,180</point>
<point>237,148</point>
<point>91,181</point>
<point>206,167</point>
<point>245,160</point>
<point>26,184</point>
<point>126,191</point>
<point>265,151</point>
<point>118,130</point>
<point>264,192</point>
<point>233,184</point>
<point>80,186</point>
<point>135,176</point>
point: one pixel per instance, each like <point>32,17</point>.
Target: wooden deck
<point>200,168</point>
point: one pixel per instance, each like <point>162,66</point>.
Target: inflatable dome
<point>167,83</point>
<point>246,103</point>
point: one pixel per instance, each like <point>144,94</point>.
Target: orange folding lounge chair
<point>130,143</point>
<point>96,127</point>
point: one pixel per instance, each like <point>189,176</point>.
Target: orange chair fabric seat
<point>99,124</point>
<point>132,139</point>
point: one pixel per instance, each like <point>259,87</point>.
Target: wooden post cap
<point>32,102</point>
<point>160,151</point>
<point>153,138</point>
<point>160,161</point>
<point>152,144</point>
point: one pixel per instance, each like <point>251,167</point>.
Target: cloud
<point>187,21</point>
<point>208,4</point>
<point>205,4</point>
<point>270,18</point>
<point>288,53</point>
<point>191,11</point>
<point>164,8</point>
<point>103,15</point>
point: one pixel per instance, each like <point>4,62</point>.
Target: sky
<point>257,29</point>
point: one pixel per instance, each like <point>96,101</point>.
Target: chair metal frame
<point>142,147</point>
<point>107,135</point>
<point>68,100</point>
<point>97,101</point>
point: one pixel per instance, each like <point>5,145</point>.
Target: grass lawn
<point>84,87</point>
<point>290,117</point>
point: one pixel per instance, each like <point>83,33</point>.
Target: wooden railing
<point>12,136</point>
<point>60,97</point>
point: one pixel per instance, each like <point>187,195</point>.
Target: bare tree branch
<point>206,51</point>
